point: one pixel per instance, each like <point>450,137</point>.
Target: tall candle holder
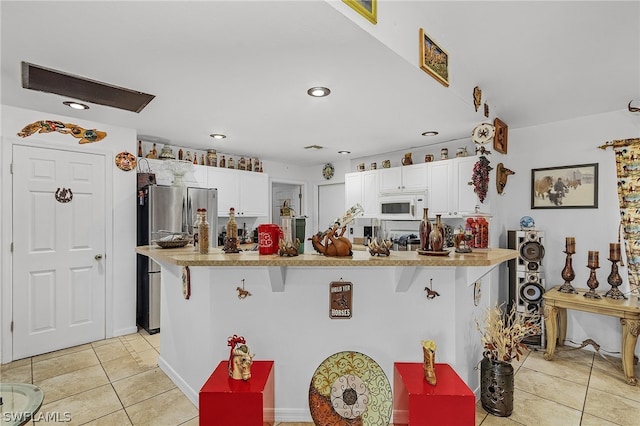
<point>592,263</point>
<point>568,274</point>
<point>614,281</point>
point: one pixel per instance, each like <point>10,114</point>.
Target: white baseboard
<point>191,394</point>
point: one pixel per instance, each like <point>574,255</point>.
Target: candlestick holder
<point>568,275</point>
<point>614,281</point>
<point>592,283</point>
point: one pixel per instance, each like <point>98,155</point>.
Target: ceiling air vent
<point>35,77</point>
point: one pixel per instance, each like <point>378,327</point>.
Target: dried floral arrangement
<point>502,333</point>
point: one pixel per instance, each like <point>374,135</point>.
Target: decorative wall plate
<point>328,171</point>
<point>483,133</point>
<point>349,388</point>
<point>126,161</point>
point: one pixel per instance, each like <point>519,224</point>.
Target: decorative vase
<point>436,236</point>
<point>425,230</point>
<point>496,387</point>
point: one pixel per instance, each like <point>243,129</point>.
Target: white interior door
<point>330,204</point>
<point>58,249</point>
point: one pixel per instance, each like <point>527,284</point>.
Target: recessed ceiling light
<point>218,135</point>
<point>344,152</point>
<point>318,92</point>
<point>75,105</point>
<point>430,133</point>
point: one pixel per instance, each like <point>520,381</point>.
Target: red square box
<point>226,401</point>
<point>416,402</point>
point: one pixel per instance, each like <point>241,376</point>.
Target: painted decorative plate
<point>349,389</point>
<point>483,133</point>
<point>328,171</point>
<point>126,161</point>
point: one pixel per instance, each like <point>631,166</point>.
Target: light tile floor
<point>117,382</point>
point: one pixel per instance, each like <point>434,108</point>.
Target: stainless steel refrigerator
<point>172,209</point>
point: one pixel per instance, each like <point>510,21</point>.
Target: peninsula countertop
<point>186,256</point>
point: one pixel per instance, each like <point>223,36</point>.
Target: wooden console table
<point>555,317</point>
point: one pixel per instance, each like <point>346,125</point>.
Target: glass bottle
<point>204,233</point>
<point>223,162</point>
<point>436,236</point>
<point>212,158</point>
<point>249,165</point>
<point>139,148</point>
<point>231,163</point>
<point>196,229</point>
<point>425,230</point>
<point>232,225</point>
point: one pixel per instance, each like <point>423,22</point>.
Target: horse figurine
<point>332,242</point>
<point>240,359</point>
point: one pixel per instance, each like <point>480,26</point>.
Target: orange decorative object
<point>416,402</point>
<point>48,126</point>
<point>224,401</point>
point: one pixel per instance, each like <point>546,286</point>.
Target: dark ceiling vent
<point>35,77</point>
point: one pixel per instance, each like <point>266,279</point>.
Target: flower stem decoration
<point>502,333</point>
<point>480,177</point>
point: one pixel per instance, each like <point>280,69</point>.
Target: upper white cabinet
<point>362,188</point>
<point>440,194</point>
<point>412,178</point>
<point>450,193</point>
<point>246,192</point>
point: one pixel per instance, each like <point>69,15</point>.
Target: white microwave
<point>402,207</point>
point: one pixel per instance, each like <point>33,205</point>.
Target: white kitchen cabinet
<point>450,194</point>
<point>440,193</point>
<point>403,179</point>
<point>246,192</point>
<point>362,188</point>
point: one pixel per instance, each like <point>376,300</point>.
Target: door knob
<point>98,256</point>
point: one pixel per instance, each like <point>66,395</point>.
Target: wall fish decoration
<point>48,126</point>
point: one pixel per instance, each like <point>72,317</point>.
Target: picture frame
<point>500,137</point>
<point>565,187</point>
<point>434,60</point>
<point>366,8</point>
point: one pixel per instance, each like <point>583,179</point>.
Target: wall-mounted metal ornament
<point>431,293</point>
<point>126,161</point>
<point>477,97</point>
<point>64,195</point>
<point>486,110</point>
<point>242,293</point>
<point>632,109</point>
<point>49,126</point>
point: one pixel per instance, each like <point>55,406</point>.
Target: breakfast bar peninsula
<point>282,306</point>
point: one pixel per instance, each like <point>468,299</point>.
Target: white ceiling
<point>242,68</point>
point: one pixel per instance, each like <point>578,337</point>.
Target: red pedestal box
<point>225,401</point>
<point>416,402</point>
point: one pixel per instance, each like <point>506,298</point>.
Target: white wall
<point>561,144</point>
<point>121,238</point>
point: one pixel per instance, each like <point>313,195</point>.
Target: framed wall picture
<point>434,59</point>
<point>366,8</point>
<point>500,136</point>
<point>565,187</point>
